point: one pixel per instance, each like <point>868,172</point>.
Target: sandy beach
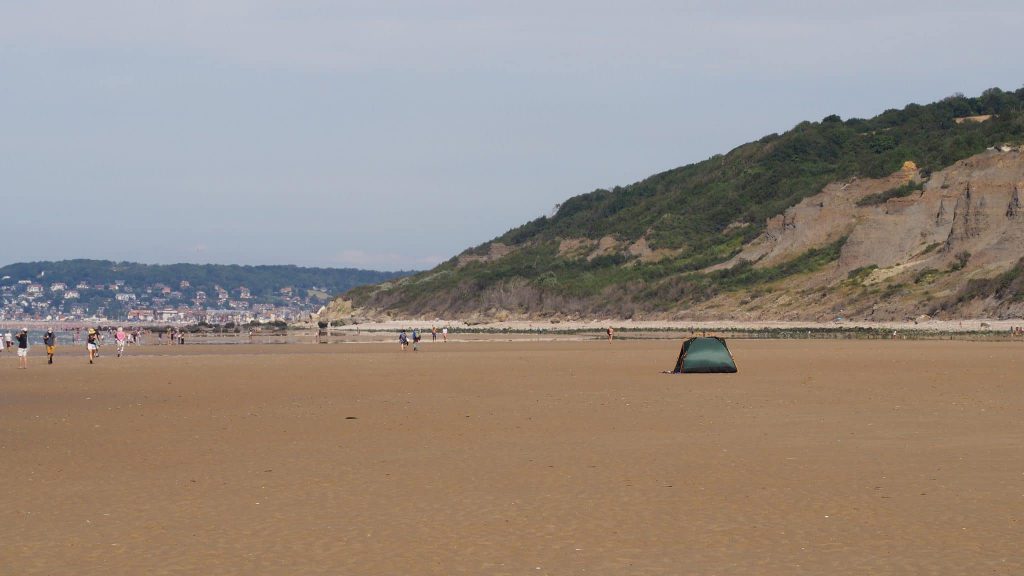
<point>549,457</point>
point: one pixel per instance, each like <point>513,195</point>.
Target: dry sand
<point>819,457</point>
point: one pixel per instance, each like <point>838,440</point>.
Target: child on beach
<point>403,340</point>
<point>122,339</point>
<point>92,344</point>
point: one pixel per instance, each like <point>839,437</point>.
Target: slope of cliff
<point>904,214</point>
<point>938,251</point>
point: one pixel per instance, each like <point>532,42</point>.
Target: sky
<point>393,135</point>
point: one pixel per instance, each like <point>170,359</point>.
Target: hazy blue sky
<point>395,134</point>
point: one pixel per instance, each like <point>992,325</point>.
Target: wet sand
<point>568,457</point>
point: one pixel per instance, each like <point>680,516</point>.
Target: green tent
<point>704,355</point>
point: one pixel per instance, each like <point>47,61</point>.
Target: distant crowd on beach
<point>94,339</point>
<point>405,340</point>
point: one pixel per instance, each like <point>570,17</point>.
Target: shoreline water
<point>944,326</point>
<point>572,329</point>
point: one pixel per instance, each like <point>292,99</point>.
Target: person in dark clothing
<point>50,340</point>
<point>22,338</point>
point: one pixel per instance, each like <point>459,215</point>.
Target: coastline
<point>967,328</point>
<point>966,325</point>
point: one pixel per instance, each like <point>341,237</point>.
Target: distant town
<point>33,300</point>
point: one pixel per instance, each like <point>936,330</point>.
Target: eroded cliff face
<point>986,217</point>
<point>914,251</point>
<point>902,258</point>
<point>817,221</point>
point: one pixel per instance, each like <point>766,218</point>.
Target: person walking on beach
<point>122,339</point>
<point>50,341</point>
<point>8,340</point>
<point>444,334</point>
<point>433,333</point>
<point>23,348</point>
<point>611,333</point>
<point>403,340</point>
<point>92,344</point>
<point>415,339</point>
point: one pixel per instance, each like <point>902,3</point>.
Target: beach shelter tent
<point>704,354</point>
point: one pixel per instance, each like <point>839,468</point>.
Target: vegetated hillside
<point>693,240</point>
<point>263,282</point>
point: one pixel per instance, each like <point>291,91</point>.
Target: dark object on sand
<point>704,354</point>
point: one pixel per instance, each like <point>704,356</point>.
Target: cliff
<point>913,212</point>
